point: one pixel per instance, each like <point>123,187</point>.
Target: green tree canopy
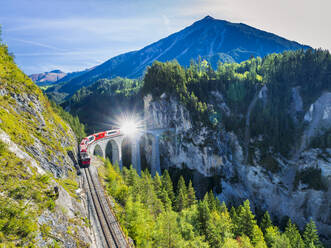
<point>310,235</point>
<point>191,200</point>
<point>293,235</point>
<point>265,222</point>
<point>181,197</point>
<point>246,220</point>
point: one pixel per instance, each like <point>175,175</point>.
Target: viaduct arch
<point>113,148</point>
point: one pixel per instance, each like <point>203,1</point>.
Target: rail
<point>114,237</point>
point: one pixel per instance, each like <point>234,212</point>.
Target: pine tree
<point>231,243</point>
<point>310,235</point>
<point>257,238</point>
<point>149,196</point>
<point>265,222</point>
<point>245,242</point>
<point>116,167</point>
<point>181,185</point>
<point>165,199</point>
<point>133,180</point>
<point>218,205</point>
<point>271,235</point>
<point>166,233</point>
<point>132,177</point>
<point>168,186</point>
<point>292,232</point>
<point>221,227</point>
<point>212,201</point>
<point>213,231</point>
<point>281,241</point>
<point>203,216</point>
<point>233,214</point>
<point>141,222</point>
<point>157,206</point>
<point>181,200</point>
<point>223,208</point>
<point>235,221</point>
<point>246,220</point>
<point>157,185</point>
<point>191,200</point>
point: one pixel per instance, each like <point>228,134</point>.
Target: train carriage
<point>84,157</point>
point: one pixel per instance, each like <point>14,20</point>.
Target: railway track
<point>114,237</point>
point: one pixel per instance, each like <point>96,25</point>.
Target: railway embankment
<point>106,228</point>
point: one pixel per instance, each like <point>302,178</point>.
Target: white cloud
<point>34,43</point>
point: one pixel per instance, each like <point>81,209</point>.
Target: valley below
<point>236,120</point>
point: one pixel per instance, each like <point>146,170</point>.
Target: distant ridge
<point>46,78</point>
<point>209,38</point>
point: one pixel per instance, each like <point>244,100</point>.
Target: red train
<point>84,157</point>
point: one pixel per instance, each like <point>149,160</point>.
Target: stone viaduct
<point>100,148</point>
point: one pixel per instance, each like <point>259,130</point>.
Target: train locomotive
<point>84,158</point>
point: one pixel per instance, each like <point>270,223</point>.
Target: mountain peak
<point>208,17</point>
<point>56,71</point>
<point>47,77</point>
<point>208,38</point>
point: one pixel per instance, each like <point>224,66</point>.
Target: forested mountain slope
<point>39,205</point>
<point>292,81</point>
<point>211,39</point>
<point>261,126</point>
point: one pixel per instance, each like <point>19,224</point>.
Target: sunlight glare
<point>129,128</point>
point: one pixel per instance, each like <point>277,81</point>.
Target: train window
<point>91,138</point>
<point>84,155</point>
<point>111,132</point>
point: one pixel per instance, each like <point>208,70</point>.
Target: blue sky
<point>73,35</point>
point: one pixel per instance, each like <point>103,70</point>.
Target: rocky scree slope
<point>39,201</point>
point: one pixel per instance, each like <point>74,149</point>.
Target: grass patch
<point>24,196</point>
<point>70,184</point>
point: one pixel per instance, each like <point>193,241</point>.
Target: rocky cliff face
<point>189,146</point>
<point>299,188</point>
<point>38,179</point>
